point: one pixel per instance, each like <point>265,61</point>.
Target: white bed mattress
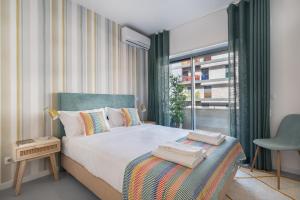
<point>106,155</point>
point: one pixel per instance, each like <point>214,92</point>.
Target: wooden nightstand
<point>149,122</point>
<point>40,148</point>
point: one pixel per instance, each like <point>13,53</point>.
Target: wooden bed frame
<point>102,189</point>
<point>98,186</point>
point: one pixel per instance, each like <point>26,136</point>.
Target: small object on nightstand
<point>149,122</point>
<point>43,138</point>
<point>22,142</point>
<point>39,148</point>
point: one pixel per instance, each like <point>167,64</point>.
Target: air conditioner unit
<point>134,38</point>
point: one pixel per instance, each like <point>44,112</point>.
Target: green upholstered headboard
<point>84,101</point>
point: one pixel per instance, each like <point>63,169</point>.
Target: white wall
<point>285,69</point>
<point>285,58</point>
<point>208,30</point>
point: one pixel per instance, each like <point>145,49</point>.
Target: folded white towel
<point>183,149</point>
<point>207,137</point>
<point>188,161</point>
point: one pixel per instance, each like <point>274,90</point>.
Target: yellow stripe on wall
<point>19,72</point>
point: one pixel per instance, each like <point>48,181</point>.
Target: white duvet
<point>106,155</point>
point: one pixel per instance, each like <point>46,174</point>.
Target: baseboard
<point>290,175</point>
<point>9,184</point>
<point>291,171</point>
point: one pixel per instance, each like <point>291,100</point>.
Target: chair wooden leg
<point>278,169</point>
<point>255,157</point>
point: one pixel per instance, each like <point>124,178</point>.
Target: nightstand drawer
<point>37,151</point>
<point>150,122</point>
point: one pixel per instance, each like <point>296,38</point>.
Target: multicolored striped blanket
<point>149,177</point>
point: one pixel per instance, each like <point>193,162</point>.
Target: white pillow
<point>115,117</point>
<point>72,121</point>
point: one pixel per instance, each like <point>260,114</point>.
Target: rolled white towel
<point>188,161</point>
<point>207,137</point>
<point>183,149</point>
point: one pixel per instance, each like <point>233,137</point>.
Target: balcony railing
<point>208,119</point>
<point>220,81</point>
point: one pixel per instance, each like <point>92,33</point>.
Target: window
<point>205,79</point>
<point>204,75</point>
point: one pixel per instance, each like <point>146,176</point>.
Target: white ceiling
<point>150,16</point>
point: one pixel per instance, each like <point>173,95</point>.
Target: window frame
<point>214,49</point>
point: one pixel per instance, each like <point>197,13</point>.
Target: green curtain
<point>249,67</point>
<point>158,79</point>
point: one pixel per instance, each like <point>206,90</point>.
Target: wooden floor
<point>260,185</point>
<point>247,185</point>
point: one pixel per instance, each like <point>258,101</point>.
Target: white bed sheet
<point>106,155</point>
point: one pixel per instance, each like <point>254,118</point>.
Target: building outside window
<point>205,77</point>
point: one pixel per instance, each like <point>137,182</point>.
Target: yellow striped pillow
<point>94,122</point>
<point>131,117</point>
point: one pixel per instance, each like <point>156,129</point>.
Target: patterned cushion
<point>131,117</point>
<point>94,122</point>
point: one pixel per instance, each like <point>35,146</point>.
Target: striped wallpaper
<point>50,46</point>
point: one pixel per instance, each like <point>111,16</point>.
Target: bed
<point>119,165</point>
